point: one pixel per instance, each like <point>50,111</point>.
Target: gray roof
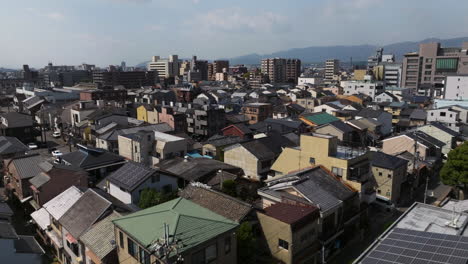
<point>84,213</point>
<point>383,160</point>
<point>425,139</point>
<point>194,169</point>
<point>368,112</point>
<point>419,114</point>
<point>15,119</point>
<point>87,157</point>
<point>267,147</point>
<point>5,209</point>
<point>27,244</point>
<point>131,175</point>
<point>28,166</point>
<point>316,185</point>
<point>7,231</point>
<point>39,180</point>
<point>99,238</point>
<point>340,125</point>
<point>445,129</point>
<point>219,140</point>
<point>113,135</point>
<point>220,203</point>
<point>10,145</point>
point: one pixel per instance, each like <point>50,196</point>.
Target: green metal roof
<point>320,118</point>
<point>188,222</point>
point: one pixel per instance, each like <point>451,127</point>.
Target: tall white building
<point>392,74</point>
<point>332,67</point>
<point>456,87</point>
<point>165,67</point>
<point>369,88</point>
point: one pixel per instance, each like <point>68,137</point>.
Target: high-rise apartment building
<point>166,68</point>
<point>332,67</point>
<point>428,67</point>
<point>281,70</point>
<point>216,66</point>
<point>392,74</point>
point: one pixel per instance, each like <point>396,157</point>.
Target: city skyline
<point>106,32</point>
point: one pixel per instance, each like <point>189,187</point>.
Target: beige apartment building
<point>281,70</point>
<point>351,165</point>
<point>429,66</point>
<point>389,174</point>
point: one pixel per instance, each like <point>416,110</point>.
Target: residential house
<point>280,126</point>
<point>347,134</point>
<point>389,172</point>
<point>417,143</point>
<point>211,237</point>
<point>317,119</point>
<point>177,121</point>
<point>18,248</point>
<point>97,162</point>
<point>53,180</point>
<point>238,130</point>
<point>291,232</point>
<point>17,125</point>
<point>385,97</point>
<point>351,165</point>
<point>218,202</point>
<point>215,145</point>
<point>384,118</point>
<point>168,146</point>
<point>370,127</point>
<point>289,110</point>
<point>205,121</point>
<point>18,172</point>
<point>137,146</point>
<point>11,147</point>
<point>196,169</point>
<point>89,209</point>
<point>47,220</point>
<point>338,204</point>
<point>449,116</point>
<point>257,112</point>
<point>443,134</point>
<point>256,157</point>
<point>99,241</point>
<point>109,140</point>
<point>148,113</point>
<point>308,103</point>
<point>127,183</point>
<point>395,108</point>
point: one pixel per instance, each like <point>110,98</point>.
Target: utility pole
<point>425,189</point>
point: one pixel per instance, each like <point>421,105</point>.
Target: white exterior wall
<point>456,87</point>
<point>450,118</point>
<point>355,87</point>
<point>440,135</point>
<point>68,251</point>
<point>383,97</point>
<point>122,196</point>
<point>310,80</point>
<point>328,109</point>
<point>8,254</point>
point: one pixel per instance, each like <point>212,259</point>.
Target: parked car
<point>32,146</point>
<point>384,203</point>
<point>57,134</point>
<point>57,153</point>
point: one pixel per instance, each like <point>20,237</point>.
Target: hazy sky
<point>106,32</point>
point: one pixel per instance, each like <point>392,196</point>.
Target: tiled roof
<point>383,160</point>
<point>425,139</point>
<point>131,175</point>
<point>99,238</point>
<point>290,214</point>
<point>15,119</point>
<point>368,112</point>
<point>87,157</point>
<point>28,166</point>
<point>219,140</point>
<point>320,118</point>
<point>84,213</point>
<point>10,145</point>
<point>217,202</point>
<point>188,222</point>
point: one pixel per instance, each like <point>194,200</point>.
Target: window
<point>227,245</point>
<point>155,178</point>
<point>432,114</point>
<point>428,66</point>
<point>144,256</point>
<point>427,79</point>
<point>380,174</point>
<point>378,191</point>
<point>389,176</point>
<point>121,240</point>
<point>283,244</point>
<point>337,171</point>
<point>312,160</point>
<point>211,253</point>
<point>427,72</point>
<point>74,248</point>
<point>136,150</point>
<point>132,248</point>
<point>429,60</point>
<point>443,114</point>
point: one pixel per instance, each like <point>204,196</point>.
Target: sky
<point>104,32</point>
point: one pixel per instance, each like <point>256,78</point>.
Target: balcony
<point>343,152</point>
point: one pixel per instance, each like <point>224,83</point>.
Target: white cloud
<point>348,9</point>
<point>55,16</point>
<point>237,20</point>
<point>154,28</point>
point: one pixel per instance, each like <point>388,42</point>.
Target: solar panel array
<point>417,247</point>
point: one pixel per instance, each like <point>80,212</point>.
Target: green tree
<point>151,197</point>
<point>246,243</point>
<point>455,170</point>
<point>229,188</point>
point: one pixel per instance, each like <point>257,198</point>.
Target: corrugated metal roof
<point>28,166</point>
<point>320,118</point>
<point>62,202</point>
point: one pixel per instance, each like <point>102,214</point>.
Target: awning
<point>42,218</point>
<point>70,238</point>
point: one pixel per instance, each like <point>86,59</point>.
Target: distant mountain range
<point>343,53</point>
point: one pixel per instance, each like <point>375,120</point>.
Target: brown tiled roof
<point>290,214</point>
<point>217,202</point>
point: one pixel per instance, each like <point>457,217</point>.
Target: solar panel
<point>402,246</point>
